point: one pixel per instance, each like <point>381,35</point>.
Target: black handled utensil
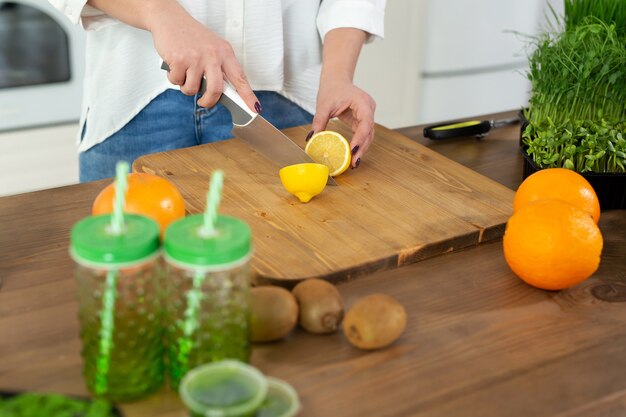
<point>477,128</point>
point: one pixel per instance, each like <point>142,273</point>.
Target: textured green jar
<point>207,289</point>
<point>126,267</point>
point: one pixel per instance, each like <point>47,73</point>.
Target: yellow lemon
<point>331,149</point>
<point>305,181</point>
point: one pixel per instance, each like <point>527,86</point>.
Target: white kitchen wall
<point>389,69</point>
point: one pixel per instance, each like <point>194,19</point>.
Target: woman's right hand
<point>191,50</point>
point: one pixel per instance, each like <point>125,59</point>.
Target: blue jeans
<point>172,121</point>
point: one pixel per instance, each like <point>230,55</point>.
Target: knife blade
<point>257,132</point>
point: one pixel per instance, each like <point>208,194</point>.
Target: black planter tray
<point>115,412</point>
<point>610,187</point>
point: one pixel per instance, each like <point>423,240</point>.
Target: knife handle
<point>233,95</point>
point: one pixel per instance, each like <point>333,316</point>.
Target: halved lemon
<point>331,149</point>
<point>305,181</point>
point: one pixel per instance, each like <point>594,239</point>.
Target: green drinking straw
<point>107,315</point>
<point>213,198</point>
<point>194,296</point>
<point>121,184</point>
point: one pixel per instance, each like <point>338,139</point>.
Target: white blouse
<point>277,42</point>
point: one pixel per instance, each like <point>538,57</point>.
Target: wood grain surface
<point>404,203</point>
<point>479,342</point>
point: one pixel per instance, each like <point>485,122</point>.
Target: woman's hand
<point>191,51</point>
<point>353,106</point>
<point>189,48</point>
<point>338,96</point>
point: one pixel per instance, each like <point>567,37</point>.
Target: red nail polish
<point>309,136</point>
<point>355,149</point>
<point>257,107</point>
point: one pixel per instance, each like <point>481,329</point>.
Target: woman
<point>286,58</point>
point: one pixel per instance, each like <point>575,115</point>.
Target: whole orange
<point>562,184</point>
<point>147,194</point>
<point>551,244</point>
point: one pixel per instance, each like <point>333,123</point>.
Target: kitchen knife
<point>257,132</point>
<point>477,128</point>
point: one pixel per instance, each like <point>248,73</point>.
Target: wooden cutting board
<point>403,204</point>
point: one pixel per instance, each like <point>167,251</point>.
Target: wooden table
<point>479,341</point>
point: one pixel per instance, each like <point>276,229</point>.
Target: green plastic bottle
<point>207,289</point>
<point>117,277</point>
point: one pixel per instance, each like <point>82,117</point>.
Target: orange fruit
<point>551,244</point>
<point>562,184</point>
<point>147,194</point>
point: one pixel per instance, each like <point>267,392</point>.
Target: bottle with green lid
<point>117,275</point>
<point>207,285</point>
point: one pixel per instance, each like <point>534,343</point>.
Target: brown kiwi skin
<point>274,313</point>
<point>321,306</point>
<point>374,322</point>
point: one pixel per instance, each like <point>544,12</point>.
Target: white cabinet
<point>36,159</point>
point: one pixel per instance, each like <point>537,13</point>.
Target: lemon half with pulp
<point>331,149</point>
<point>305,181</point>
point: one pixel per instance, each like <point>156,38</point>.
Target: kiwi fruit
<point>321,305</point>
<point>274,313</point>
<point>374,322</point>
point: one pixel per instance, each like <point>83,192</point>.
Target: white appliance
<point>448,59</point>
<point>41,65</point>
<point>41,76</point>
<point>473,62</point>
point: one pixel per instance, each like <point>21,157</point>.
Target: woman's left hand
<point>342,99</point>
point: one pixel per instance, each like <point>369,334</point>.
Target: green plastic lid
<point>186,243</point>
<point>93,241</point>
<point>226,388</point>
<point>281,400</point>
